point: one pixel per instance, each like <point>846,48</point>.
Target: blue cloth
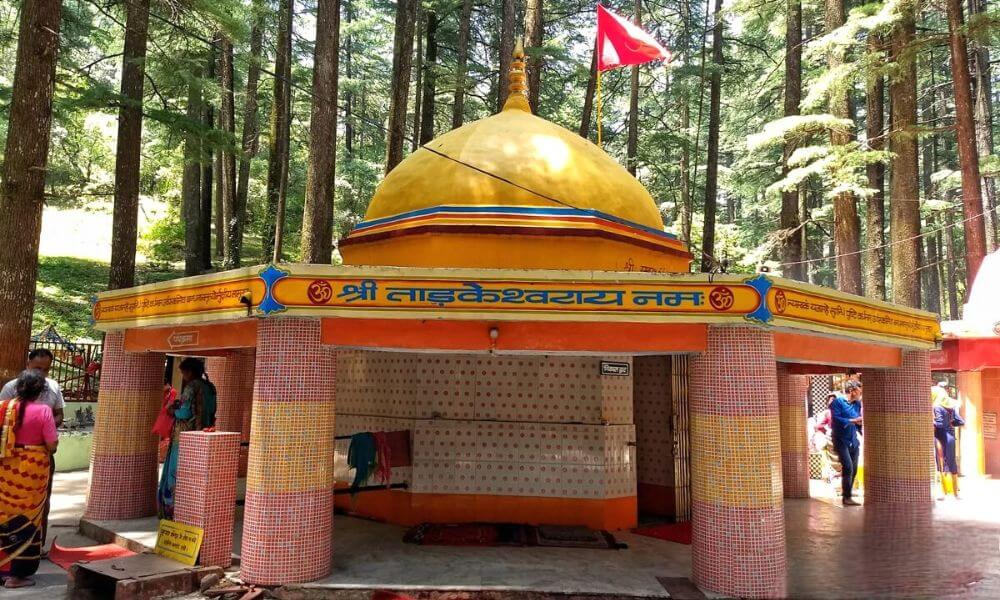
<point>168,478</point>
<point>945,420</point>
<point>842,412</point>
<point>362,457</point>
<point>848,453</point>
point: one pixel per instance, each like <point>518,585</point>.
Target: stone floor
<point>951,549</point>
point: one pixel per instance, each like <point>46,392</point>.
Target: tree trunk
<point>931,283</point>
<point>791,243</point>
<point>874,257</point>
<point>349,71</point>
<point>250,143</point>
<point>227,119</point>
<point>588,97</point>
<point>430,80</point>
<point>708,260</point>
<point>317,220</point>
<point>418,74</point>
<point>220,194</point>
<point>534,33</point>
<point>191,185</point>
<point>506,49</point>
<point>685,208</point>
<point>846,227</point>
<point>277,160</point>
<point>983,96</point>
<point>904,178</point>
<point>968,153</point>
<point>632,143</point>
<point>402,60</point>
<point>22,178</point>
<point>461,66</point>
<point>207,172</point>
<point>951,266</point>
<point>125,221</point>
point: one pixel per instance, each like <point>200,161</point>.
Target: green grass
<point>65,285</point>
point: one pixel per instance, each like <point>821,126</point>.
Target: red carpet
<point>65,557</point>
<point>672,532</point>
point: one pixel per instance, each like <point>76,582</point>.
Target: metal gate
<point>682,447</point>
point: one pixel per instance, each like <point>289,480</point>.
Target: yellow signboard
<point>179,542</point>
<point>390,292</point>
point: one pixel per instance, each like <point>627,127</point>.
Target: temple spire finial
<point>517,98</point>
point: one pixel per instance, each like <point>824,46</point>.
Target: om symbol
<point>319,292</point>
<point>780,302</point>
<point>721,298</point>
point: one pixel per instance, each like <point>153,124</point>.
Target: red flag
<point>620,42</point>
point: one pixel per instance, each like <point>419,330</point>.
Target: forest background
<point>848,144</point>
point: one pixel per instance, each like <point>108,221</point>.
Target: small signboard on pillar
<point>179,542</point>
<point>611,368</point>
<point>990,425</point>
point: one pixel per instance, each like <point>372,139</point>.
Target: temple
<point>513,301</point>
<point>971,352</point>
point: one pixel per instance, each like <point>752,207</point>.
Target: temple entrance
<point>660,386</point>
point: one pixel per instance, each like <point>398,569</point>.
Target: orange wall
<point>815,349</point>
<point>192,338</point>
<point>991,404</point>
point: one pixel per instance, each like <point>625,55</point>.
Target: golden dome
<point>517,175</point>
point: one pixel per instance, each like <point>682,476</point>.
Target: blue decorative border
<point>513,210</point>
<point>270,276</point>
<point>762,314</point>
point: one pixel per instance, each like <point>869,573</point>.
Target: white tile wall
<point>525,426</point>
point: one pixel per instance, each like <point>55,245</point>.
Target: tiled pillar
<point>288,522</point>
<point>898,432</point>
<point>233,378</point>
<point>792,393</point>
<point>738,544</point>
<point>123,471</point>
<point>206,491</point>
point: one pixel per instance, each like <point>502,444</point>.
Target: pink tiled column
<point>233,378</point>
<point>123,468</point>
<point>288,522</point>
<point>738,542</point>
<point>206,491</point>
<point>792,391</point>
<point>899,432</point>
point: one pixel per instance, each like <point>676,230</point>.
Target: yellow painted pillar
<point>738,520</point>
<point>899,432</point>
<point>970,392</point>
<point>792,390</point>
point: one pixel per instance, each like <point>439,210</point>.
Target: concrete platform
<point>948,549</point>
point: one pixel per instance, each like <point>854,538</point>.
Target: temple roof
<point>513,174</point>
<point>981,315</point>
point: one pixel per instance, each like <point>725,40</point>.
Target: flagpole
<point>598,92</point>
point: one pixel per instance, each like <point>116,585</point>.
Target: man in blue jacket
<point>846,415</point>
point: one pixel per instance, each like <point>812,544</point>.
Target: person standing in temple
<point>28,439</point>
<point>40,359</point>
<point>845,411</point>
<point>946,419</point>
<point>193,411</point>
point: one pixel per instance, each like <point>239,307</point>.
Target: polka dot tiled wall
<point>522,426</point>
<point>653,428</point>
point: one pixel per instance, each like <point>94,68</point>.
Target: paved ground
<point>69,492</point>
<point>949,550</point>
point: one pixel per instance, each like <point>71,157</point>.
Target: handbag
<point>164,424</point>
